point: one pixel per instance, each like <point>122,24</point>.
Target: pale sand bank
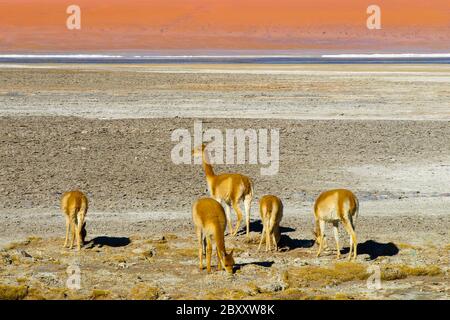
<point>368,92</point>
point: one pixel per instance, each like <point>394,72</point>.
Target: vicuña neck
<point>220,242</point>
<point>207,166</point>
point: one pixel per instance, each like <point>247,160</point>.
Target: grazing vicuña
<point>209,220</point>
<point>271,210</point>
<point>334,206</point>
<point>74,205</point>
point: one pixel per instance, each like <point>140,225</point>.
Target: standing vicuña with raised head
<point>210,221</point>
<point>74,205</point>
<point>271,210</point>
<point>231,188</point>
<point>334,206</point>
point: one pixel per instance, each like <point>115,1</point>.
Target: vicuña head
<point>74,205</point>
<point>230,188</point>
<point>198,150</point>
<point>334,206</point>
<point>228,261</point>
<point>209,221</point>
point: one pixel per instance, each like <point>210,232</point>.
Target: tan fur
<point>229,188</point>
<point>271,211</point>
<point>334,206</point>
<point>209,220</point>
<point>74,205</point>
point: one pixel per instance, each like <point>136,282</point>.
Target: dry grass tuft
<point>226,294</point>
<point>99,294</point>
<point>5,259</point>
<point>15,245</point>
<point>339,273</point>
<point>350,271</point>
<point>298,294</point>
<point>403,246</point>
<point>343,296</point>
<point>22,280</point>
<point>400,271</point>
<point>161,247</point>
<point>293,294</point>
<point>18,244</point>
<point>39,293</point>
<point>187,252</point>
<point>33,239</point>
<point>13,292</point>
<point>36,294</point>
<point>170,236</point>
<point>119,258</point>
<point>162,239</point>
<point>253,240</point>
<point>144,292</point>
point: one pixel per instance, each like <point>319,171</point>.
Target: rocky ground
<point>141,262</point>
<point>125,165</point>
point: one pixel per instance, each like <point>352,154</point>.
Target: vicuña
<point>271,210</point>
<point>74,205</point>
<point>231,188</point>
<point>336,206</point>
<point>209,220</point>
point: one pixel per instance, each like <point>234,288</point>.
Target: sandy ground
<point>99,128</point>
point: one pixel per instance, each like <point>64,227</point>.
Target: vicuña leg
<point>239,216</point>
<point>228,214</point>
<point>200,247</point>
<point>353,243</point>
<point>219,262</point>
<point>322,236</point>
<point>275,242</point>
<point>336,238</point>
<point>351,247</point>
<point>79,228</point>
<point>66,241</point>
<point>247,206</point>
<point>263,234</point>
<point>73,228</point>
<point>208,253</point>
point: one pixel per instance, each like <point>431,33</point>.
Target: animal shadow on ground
<point>265,264</point>
<point>287,243</point>
<point>375,249</point>
<point>108,241</point>
<point>256,226</point>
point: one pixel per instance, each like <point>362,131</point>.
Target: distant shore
<point>224,58</point>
